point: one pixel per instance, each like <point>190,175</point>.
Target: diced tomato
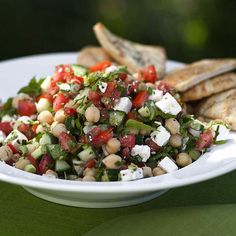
<point>60,101</point>
<point>26,130</point>
<point>104,113</point>
<point>53,89</point>
<point>6,127</point>
<point>94,97</point>
<point>165,87</point>
<point>90,163</point>
<point>150,74</point>
<point>63,73</point>
<point>67,142</point>
<point>34,128</point>
<point>205,140</point>
<point>49,97</point>
<point>140,98</point>
<point>100,66</point>
<point>12,147</point>
<point>45,163</point>
<point>83,139</point>
<point>132,87</point>
<point>70,111</point>
<point>127,141</point>
<point>153,146</point>
<point>122,76</point>
<point>111,86</point>
<point>125,153</point>
<point>101,137</point>
<point>33,161</point>
<point>132,116</point>
<point>76,79</point>
<point>26,108</point>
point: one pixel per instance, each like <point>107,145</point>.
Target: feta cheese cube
<point>111,69</point>
<point>168,104</point>
<point>156,95</point>
<point>23,120</point>
<point>130,174</point>
<point>143,151</point>
<point>102,87</point>
<point>64,87</point>
<point>124,105</point>
<point>16,138</point>
<point>168,165</point>
<point>160,136</point>
<point>223,132</point>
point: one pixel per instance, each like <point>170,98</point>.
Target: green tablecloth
<point>206,208</point>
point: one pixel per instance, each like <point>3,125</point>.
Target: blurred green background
<point>188,29</point>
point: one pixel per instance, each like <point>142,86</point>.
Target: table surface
<point>206,208</point>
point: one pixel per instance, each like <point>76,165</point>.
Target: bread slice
<point>133,55</point>
<point>220,106</point>
<point>209,87</point>
<point>199,71</point>
<point>90,55</point>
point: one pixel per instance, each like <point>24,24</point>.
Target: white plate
<point>16,73</point>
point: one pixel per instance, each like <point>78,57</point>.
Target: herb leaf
<point>7,109</point>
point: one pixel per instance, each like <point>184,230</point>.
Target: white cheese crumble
<point>46,83</point>
<point>124,105</point>
<point>168,104</point>
<point>223,132</point>
<point>168,165</point>
<point>143,151</point>
<point>16,137</point>
<point>160,136</point>
<point>2,137</point>
<point>130,174</point>
<point>64,87</point>
<point>111,69</point>
<point>23,120</point>
<point>156,95</point>
<point>102,87</point>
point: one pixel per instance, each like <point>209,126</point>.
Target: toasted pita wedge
<point>89,56</point>
<point>220,106</point>
<point>194,73</point>
<point>209,87</point>
<point>135,56</point>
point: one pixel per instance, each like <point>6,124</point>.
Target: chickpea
<point>43,105</point>
<point>51,174</point>
<point>45,117</point>
<point>158,171</point>
<point>40,129</point>
<point>57,129</point>
<point>147,171</point>
<point>5,153</point>
<point>22,163</point>
<point>113,146</point>
<point>183,159</point>
<point>92,114</point>
<point>60,116</point>
<point>112,161</point>
<point>173,126</point>
<point>89,172</point>
<point>89,178</point>
<point>175,140</point>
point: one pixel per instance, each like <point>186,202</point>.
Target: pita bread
<point>135,56</point>
<point>89,56</point>
<point>209,87</point>
<point>220,106</point>
<point>194,73</point>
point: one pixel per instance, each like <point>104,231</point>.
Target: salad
<point>102,124</point>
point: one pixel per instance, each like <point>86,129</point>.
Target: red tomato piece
<point>70,111</point>
<point>90,163</point>
<point>26,108</point>
<point>132,87</point>
<point>153,146</point>
<point>53,89</point>
<point>26,130</point>
<point>125,153</point>
<point>205,140</point>
<point>60,101</point>
<point>94,97</point>
<point>122,76</point>
<point>150,74</point>
<point>12,147</point>
<point>111,86</point>
<point>6,127</point>
<point>34,128</point>
<point>102,137</point>
<point>63,73</point>
<point>165,87</point>
<point>127,141</point>
<point>45,163</point>
<point>33,161</point>
<point>67,142</point>
<point>100,66</point>
<point>132,116</point>
<point>140,98</point>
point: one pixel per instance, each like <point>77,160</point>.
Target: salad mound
<point>102,124</point>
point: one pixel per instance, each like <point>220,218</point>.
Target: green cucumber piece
<point>144,112</point>
<point>61,166</point>
<point>79,70</point>
<point>47,139</point>
<point>56,152</point>
<point>116,118</point>
<point>87,154</point>
<point>41,150</point>
<point>134,124</point>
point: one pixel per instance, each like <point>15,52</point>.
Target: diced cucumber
<point>61,166</point>
<point>24,149</point>
<point>194,154</point>
<point>144,112</point>
<point>56,152</point>
<point>116,118</point>
<point>87,154</point>
<point>79,70</point>
<point>47,139</point>
<point>41,150</point>
<point>134,124</point>
<point>110,175</point>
